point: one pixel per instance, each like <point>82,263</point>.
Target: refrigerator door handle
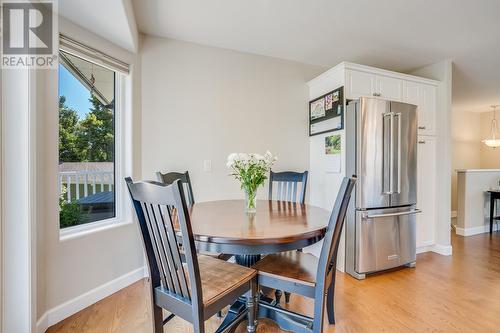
<point>388,149</point>
<point>409,212</point>
<point>399,152</point>
<point>391,157</point>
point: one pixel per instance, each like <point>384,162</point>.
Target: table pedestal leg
<point>239,306</point>
<point>492,211</point>
<point>247,260</point>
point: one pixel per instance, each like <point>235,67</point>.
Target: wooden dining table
<point>224,227</point>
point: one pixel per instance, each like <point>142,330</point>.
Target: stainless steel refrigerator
<point>381,144</point>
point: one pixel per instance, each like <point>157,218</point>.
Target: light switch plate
<point>207,165</point>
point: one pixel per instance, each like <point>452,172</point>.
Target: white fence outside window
<point>80,184</point>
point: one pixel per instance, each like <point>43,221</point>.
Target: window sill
<point>91,228</point>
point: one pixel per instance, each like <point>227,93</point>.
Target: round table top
<point>223,226</point>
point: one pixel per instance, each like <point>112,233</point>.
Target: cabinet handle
<point>421,127</point>
<point>422,142</point>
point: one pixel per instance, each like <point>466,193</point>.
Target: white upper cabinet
<point>411,92</point>
<point>389,88</point>
<point>363,84</point>
<point>427,110</point>
<point>424,96</point>
<point>359,84</point>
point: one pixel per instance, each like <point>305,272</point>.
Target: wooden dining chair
<point>304,274</point>
<point>287,183</point>
<point>170,177</point>
<point>199,288</point>
<point>287,186</point>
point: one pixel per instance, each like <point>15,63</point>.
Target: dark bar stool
<point>494,195</point>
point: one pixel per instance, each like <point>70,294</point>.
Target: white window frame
<point>122,161</point>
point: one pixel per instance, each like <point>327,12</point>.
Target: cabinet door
<point>424,96</point>
<point>359,84</point>
<point>389,88</point>
<point>427,110</point>
<point>426,191</point>
<point>411,93</point>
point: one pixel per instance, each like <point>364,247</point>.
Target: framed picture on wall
<point>326,112</point>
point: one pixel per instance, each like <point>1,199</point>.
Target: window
<point>87,141</point>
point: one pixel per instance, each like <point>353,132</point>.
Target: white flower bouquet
<point>251,170</point>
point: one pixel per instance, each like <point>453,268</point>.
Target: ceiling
<point>111,19</point>
<point>394,34</point>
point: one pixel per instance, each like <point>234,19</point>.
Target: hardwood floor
<point>460,293</point>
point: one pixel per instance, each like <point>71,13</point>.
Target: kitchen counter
<point>477,170</point>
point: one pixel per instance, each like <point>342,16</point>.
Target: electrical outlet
<point>207,165</point>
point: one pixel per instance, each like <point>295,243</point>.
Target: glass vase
<point>250,202</point>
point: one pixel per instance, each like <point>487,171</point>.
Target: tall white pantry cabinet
<point>364,81</point>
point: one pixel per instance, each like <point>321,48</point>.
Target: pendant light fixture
<point>494,140</point>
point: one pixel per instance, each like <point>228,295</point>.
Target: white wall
<point>468,130</point>
<point>72,268</point>
<point>202,103</point>
<point>466,136</point>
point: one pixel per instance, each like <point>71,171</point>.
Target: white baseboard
<point>425,248</point>
<point>43,323</point>
<point>445,250</point>
<point>474,230</point>
<point>62,311</point>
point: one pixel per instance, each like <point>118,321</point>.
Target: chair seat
<point>219,278</point>
<point>293,266</point>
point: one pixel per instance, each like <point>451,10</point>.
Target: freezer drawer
<point>385,239</point>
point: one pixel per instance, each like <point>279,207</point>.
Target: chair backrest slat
<point>169,177</point>
<point>288,183</point>
<point>156,244</point>
<point>328,258</point>
<point>168,272</point>
<point>166,247</point>
<point>161,210</point>
<point>175,251</point>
